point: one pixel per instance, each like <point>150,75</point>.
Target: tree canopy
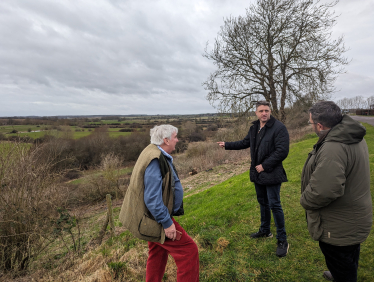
<point>280,51</point>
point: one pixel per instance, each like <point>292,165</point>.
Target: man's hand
<point>259,168</point>
<point>171,232</point>
<point>221,144</point>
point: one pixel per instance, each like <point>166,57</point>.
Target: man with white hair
<point>153,198</point>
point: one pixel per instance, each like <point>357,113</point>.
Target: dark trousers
<point>342,261</point>
<point>268,196</point>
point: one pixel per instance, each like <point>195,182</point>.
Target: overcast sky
<point>85,57</point>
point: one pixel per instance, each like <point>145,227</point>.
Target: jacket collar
<point>269,123</point>
<point>321,139</point>
<point>170,158</point>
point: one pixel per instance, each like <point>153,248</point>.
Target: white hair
<point>159,132</point>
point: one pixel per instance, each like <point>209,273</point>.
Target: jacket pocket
<point>314,224</point>
<point>150,227</point>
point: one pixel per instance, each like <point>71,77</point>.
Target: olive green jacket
<point>335,186</point>
<point>134,214</point>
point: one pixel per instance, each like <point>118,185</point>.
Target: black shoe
<point>260,234</point>
<point>327,275</point>
<point>282,248</point>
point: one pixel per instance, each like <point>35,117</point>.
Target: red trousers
<point>184,252</point>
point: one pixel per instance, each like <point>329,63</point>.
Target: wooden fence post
<point>110,214</point>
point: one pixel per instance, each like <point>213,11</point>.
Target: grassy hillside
<point>223,217</point>
<point>220,219</point>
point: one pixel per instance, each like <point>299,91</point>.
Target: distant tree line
<point>357,102</point>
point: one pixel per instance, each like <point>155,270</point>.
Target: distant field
<point>68,127</point>
<point>9,128</point>
<point>117,134</point>
<point>113,132</point>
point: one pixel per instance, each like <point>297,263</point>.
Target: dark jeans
<point>269,199</point>
<point>342,261</point>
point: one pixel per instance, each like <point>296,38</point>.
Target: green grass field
<point>22,128</point>
<point>229,212</point>
<point>113,132</point>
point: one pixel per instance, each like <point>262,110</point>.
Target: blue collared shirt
<point>153,191</point>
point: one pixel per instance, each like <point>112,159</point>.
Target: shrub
<point>196,136</point>
<point>135,125</point>
<point>237,131</point>
<point>181,146</point>
<point>125,130</point>
<point>14,131</point>
<point>87,151</point>
<point>297,114</point>
<point>212,127</point>
<point>72,174</point>
<point>110,165</point>
<point>29,195</point>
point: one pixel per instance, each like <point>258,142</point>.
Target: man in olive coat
<point>335,188</point>
<point>269,142</point>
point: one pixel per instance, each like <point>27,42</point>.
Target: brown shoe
<point>327,275</point>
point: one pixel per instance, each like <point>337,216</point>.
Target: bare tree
<point>370,102</point>
<point>280,51</point>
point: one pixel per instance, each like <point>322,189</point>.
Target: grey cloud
<point>126,57</point>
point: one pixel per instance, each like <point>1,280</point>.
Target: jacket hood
<point>348,131</point>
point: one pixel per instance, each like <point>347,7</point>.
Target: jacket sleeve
<point>239,145</point>
<point>327,182</point>
<point>282,146</point>
<point>153,194</point>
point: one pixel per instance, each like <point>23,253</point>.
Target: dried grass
<point>222,244</point>
<point>203,156</point>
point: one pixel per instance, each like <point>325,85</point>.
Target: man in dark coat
<point>269,142</point>
<point>335,187</point>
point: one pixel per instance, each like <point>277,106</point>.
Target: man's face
<point>263,113</point>
<point>171,143</point>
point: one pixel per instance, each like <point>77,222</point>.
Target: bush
<point>235,132</point>
<point>181,146</point>
<point>30,193</point>
<point>196,136</point>
<point>212,127</point>
<point>72,174</point>
<point>297,114</point>
<point>125,130</point>
<point>87,151</point>
<point>136,125</point>
<point>14,131</point>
